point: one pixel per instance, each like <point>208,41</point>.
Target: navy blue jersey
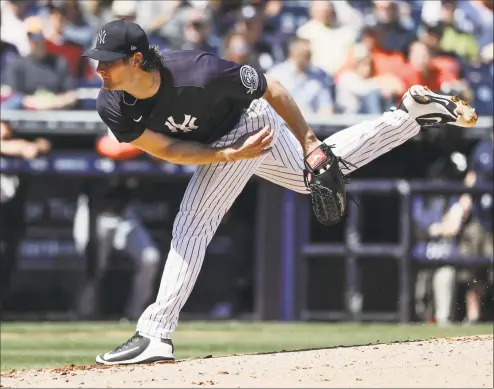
<point>201,98</point>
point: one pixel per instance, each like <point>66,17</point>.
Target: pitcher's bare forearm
<point>193,153</point>
<point>250,145</point>
<point>178,151</point>
<point>279,98</point>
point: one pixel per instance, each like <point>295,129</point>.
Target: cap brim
<point>104,55</point>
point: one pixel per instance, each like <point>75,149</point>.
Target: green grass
<point>29,345</point>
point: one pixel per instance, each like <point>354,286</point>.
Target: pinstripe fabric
<point>285,165</point>
<point>359,144</point>
<point>364,142</point>
<point>210,193</point>
<point>213,189</point>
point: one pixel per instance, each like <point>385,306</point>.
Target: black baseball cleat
<point>432,109</point>
<point>139,349</point>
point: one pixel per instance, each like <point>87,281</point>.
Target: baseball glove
<point>326,183</point>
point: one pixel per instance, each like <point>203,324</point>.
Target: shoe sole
<point>466,116</point>
<point>100,361</point>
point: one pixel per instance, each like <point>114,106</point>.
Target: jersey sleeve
<point>123,128</point>
<point>239,82</point>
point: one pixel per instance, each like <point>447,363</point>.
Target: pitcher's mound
<point>453,362</point>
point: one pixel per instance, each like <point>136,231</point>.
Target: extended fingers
<point>267,139</point>
<point>260,134</point>
<point>257,143</point>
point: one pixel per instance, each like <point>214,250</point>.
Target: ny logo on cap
<point>102,37</point>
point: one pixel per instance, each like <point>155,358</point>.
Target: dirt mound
<point>452,362</point>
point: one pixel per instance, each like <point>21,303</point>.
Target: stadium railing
<point>81,122</point>
<point>352,249</point>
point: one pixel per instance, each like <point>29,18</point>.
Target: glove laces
<point>346,177</point>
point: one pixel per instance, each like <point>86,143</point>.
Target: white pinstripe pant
<point>213,189</point>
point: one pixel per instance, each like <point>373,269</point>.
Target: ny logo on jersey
<point>187,125</point>
<point>102,37</point>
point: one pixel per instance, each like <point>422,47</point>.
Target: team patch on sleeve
<point>250,78</point>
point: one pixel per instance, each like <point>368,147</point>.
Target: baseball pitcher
<point>194,108</point>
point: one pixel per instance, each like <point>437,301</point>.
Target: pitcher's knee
<point>193,223</point>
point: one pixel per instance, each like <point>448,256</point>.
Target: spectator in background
<point>359,89</point>
<point>12,203</point>
<point>118,227</point>
<point>409,14</point>
<point>350,14</point>
<point>435,287</point>
<point>13,30</point>
<point>8,52</point>
<point>285,17</point>
<point>302,81</point>
<point>196,31</point>
<point>224,15</point>
<point>161,21</point>
<point>16,147</point>
<point>391,65</point>
<point>330,42</point>
<point>58,44</point>
<point>423,71</point>
<point>430,14</point>
<point>250,22</point>
<point>237,49</point>
<point>431,36</point>
<point>480,13</point>
<point>467,16</point>
<point>446,62</point>
<point>124,10</point>
<point>471,220</point>
<point>76,28</point>
<point>392,35</point>
<point>40,81</point>
<point>454,39</point>
<point>384,62</point>
<point>97,12</point>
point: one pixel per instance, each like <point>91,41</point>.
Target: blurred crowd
<point>345,56</point>
<point>456,225</point>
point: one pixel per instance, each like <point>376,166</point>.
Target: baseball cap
<point>119,39</point>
